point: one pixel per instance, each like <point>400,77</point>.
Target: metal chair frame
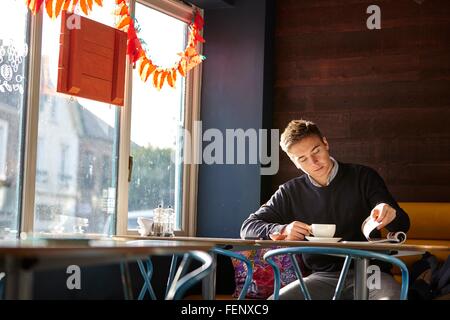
<point>349,254</point>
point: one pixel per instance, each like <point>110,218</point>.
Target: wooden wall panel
<point>382,97</point>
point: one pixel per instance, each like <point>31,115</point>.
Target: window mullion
<point>190,171</point>
<point>124,148</point>
<point>31,125</point>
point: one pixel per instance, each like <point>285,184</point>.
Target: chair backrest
<point>349,255</point>
<point>248,263</point>
<point>181,283</point>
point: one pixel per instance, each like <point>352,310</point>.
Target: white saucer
<point>322,239</point>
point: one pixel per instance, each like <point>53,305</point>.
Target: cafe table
<point>360,267</point>
<point>20,258</point>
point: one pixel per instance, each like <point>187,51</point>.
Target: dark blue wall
<point>232,97</point>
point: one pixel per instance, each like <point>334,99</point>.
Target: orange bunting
<point>66,5</point>
<point>170,80</point>
<point>189,58</point>
<point>58,7</point>
<point>83,6</point>
<point>155,78</point>
<point>49,8</point>
<point>124,22</point>
<point>146,68</point>
<point>54,7</point>
<point>174,76</point>
<point>144,62</point>
<point>163,78</point>
<point>182,68</point>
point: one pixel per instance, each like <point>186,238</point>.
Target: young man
<point>330,192</point>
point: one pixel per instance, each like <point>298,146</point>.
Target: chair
<point>181,283</point>
<point>147,275</point>
<point>178,283</point>
<point>147,271</point>
<point>349,255</point>
<point>240,257</point>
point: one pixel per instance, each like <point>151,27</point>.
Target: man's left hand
<point>384,214</point>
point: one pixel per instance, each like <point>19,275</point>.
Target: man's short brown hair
<point>296,130</point>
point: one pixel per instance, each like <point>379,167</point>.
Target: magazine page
<point>392,237</point>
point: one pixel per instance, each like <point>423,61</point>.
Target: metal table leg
<point>19,282</point>
<point>361,291</point>
<point>126,281</point>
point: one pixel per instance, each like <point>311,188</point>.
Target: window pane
<point>157,121</point>
<point>77,149</point>
<point>13,66</point>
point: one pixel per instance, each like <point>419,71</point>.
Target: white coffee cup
<point>323,230</point>
<point>145,226</point>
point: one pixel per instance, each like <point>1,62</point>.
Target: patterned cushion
<point>262,282</point>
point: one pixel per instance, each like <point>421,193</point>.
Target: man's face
<point>312,157</point>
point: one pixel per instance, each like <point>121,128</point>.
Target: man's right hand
<point>294,231</point>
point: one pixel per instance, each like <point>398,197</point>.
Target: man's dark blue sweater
<point>347,201</point>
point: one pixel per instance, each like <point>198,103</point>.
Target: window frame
<point>27,180</point>
<point>183,12</point>
<point>3,148</point>
<point>31,119</point>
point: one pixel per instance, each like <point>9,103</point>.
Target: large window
<point>157,122</point>
<point>62,167</point>
<point>13,80</point>
<point>75,137</point>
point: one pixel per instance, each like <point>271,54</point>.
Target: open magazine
<point>392,237</point>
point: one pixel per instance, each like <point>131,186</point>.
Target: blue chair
<point>147,275</point>
<point>349,255</point>
<point>240,257</point>
<point>147,271</point>
<point>178,283</point>
<point>181,283</point>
